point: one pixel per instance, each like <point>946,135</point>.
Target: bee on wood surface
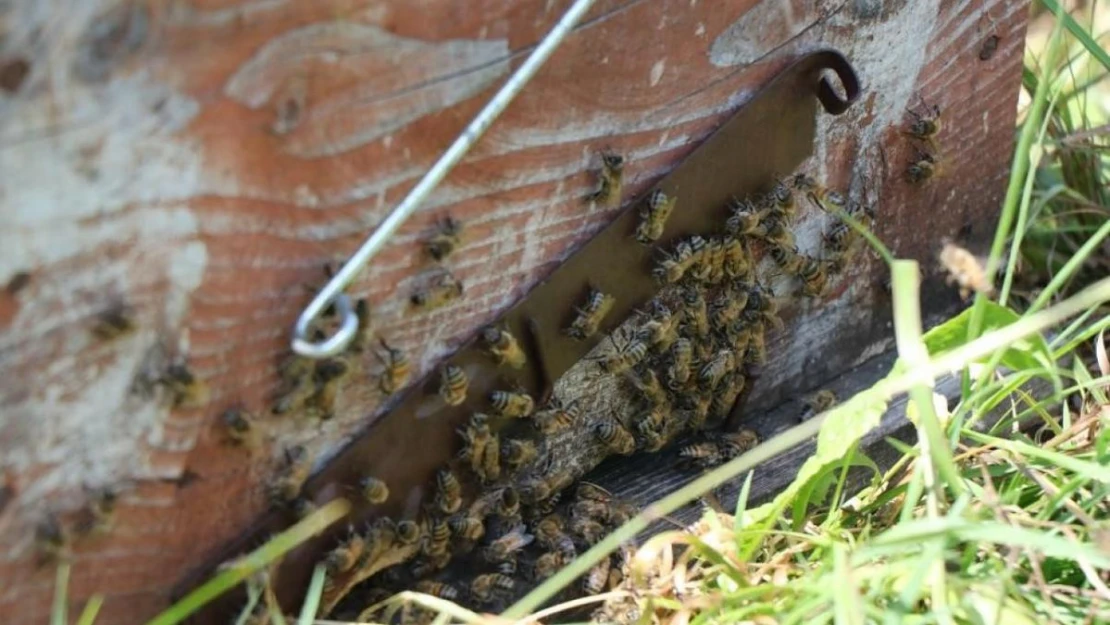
<point>588,318</point>
<point>409,532</point>
<point>98,513</point>
<point>702,454</point>
<point>446,240</point>
<point>547,565</point>
<point>186,390</point>
<point>453,385</point>
<point>756,353</point>
<point>515,404</point>
<point>623,357</point>
<point>734,444</point>
<point>504,347</point>
<point>925,125</point>
<point>373,490</point>
<point>614,436</point>
<point>467,527</point>
<point>298,377</point>
<point>443,290</point>
<point>556,417</point>
<point>589,490</point>
<point>745,218</point>
<point>285,487</point>
<point>505,546</point>
<point>239,427</point>
<point>518,452</point>
<point>587,529</point>
<point>713,371</point>
<point>782,199</point>
<point>686,255</point>
<point>817,403</point>
<point>437,589</point>
<point>965,270</point>
<point>788,259</point>
<point>653,219</point>
<point>609,180</point>
<point>597,577</point>
<point>682,359</point>
<point>437,538</point>
<point>661,329</point>
<point>117,321</point>
<point>695,312</point>
<point>396,370</point>
<point>776,233</point>
<point>647,383</point>
<point>989,47</point>
<point>448,497</point>
<point>483,587</point>
<point>924,167</point>
<point>814,276</point>
<point>344,557</point>
<point>839,239</point>
<point>725,396</point>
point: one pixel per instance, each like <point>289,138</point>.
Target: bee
<point>727,307</point>
<point>746,218</point>
<point>732,445</point>
<point>518,452</point>
<point>736,258</point>
<point>504,347</point>
<point>589,317</point>
<point>297,375</point>
<point>696,312</point>
<point>623,358</point>
<point>711,262</point>
<point>505,546</point>
<point>365,328</point>
<point>724,398</point>
<point>437,538</point>
<point>476,438</point>
<point>653,219</point>
<point>712,372</point>
<point>445,289</point>
<point>239,428</point>
<point>685,256</point>
<point>682,358</point>
<point>467,527</point>
<point>453,385</point>
<point>550,534</point>
<point>396,369</point>
<point>588,490</point>
<point>923,168</point>
<point>614,436</point>
<point>610,178</point>
<point>373,490</point>
<point>186,390</point>
<point>446,240</point>
<point>651,433</point>
<point>703,453</point>
<point>839,238</point>
<point>647,383</point>
<point>814,276</point>
<point>587,529</point>
<point>448,496</point>
<point>925,125</point>
<point>597,577</point>
<point>757,348</point>
<point>782,198</point>
<point>788,259</point>
<point>117,321</point>
<point>590,509</point>
<point>344,557</point>
<point>965,270</point>
<point>491,461</point>
<point>483,587</point>
<point>661,330</point>
<point>437,589</point>
<point>700,412</point>
<point>547,565</point>
<point>515,404</point>
<point>775,232</point>
<point>989,47</point>
<point>99,512</point>
<point>408,532</point>
<point>555,417</point>
<point>285,488</point>
<point>508,503</point>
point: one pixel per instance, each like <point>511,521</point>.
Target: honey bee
<point>685,256</point>
<point>408,532</point>
<point>396,369</point>
<point>710,265</point>
<point>623,358</point>
<point>550,535</point>
<point>788,259</point>
<point>814,276</point>
<point>99,512</point>
<point>587,529</point>
<point>661,330</point>
<point>724,398</point>
<point>610,180</point>
<point>514,404</point>
<point>588,490</point>
<point>373,490</point>
<point>453,385</point>
<point>446,240</point>
<point>476,438</point>
<point>736,258</point>
<point>923,168</point>
<point>925,125</point>
<point>556,417</point>
<point>700,412</point>
<point>651,434</point>
<point>117,321</point>
<point>756,353</point>
<point>727,307</point>
<point>614,436</point>
<point>817,403</point>
<point>238,425</point>
<point>695,312</point>
<point>285,488</point>
<point>186,390</point>
<point>653,219</point>
<point>589,317</point>
<point>361,340</point>
<point>437,538</point>
<point>682,359</point>
<point>505,546</point>
<point>965,270</point>
<point>732,445</point>
<point>344,557</point>
<point>712,372</point>
<point>437,589</point>
<point>536,490</point>
<point>647,383</point>
<point>782,198</point>
<point>504,347</point>
<point>590,509</point>
<point>547,565</point>
<point>445,289</point>
<point>491,461</point>
<point>775,232</point>
<point>703,453</point>
<point>467,527</point>
<point>518,452</point>
<point>746,218</point>
<point>597,577</point>
<point>483,587</point>
<point>448,496</point>
<point>508,503</point>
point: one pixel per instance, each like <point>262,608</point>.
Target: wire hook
<point>333,290</point>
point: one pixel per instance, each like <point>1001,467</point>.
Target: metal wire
<point>333,290</point>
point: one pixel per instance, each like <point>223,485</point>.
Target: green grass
<point>1005,525</point>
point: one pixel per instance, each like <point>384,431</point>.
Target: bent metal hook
<point>333,290</point>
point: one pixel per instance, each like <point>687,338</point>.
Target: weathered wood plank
<point>201,160</point>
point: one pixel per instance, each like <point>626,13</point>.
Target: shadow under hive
<point>476,457</point>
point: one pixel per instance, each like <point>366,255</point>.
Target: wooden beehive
<point>199,162</point>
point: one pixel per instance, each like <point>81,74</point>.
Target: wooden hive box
<point>198,162</point>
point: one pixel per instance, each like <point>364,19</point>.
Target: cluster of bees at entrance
<point>508,511</point>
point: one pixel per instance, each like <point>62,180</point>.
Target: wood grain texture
<point>201,160</point>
